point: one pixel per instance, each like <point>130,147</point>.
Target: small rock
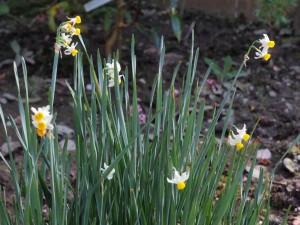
<point>272,93</point>
<point>3,100</point>
<point>289,188</point>
<point>264,154</point>
<point>9,97</point>
<point>143,81</point>
<point>62,130</point>
<point>256,170</point>
<point>14,145</point>
<point>71,145</point>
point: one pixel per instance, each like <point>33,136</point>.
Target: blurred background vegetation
<point>114,16</point>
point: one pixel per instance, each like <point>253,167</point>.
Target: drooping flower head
<point>179,179</point>
<point>71,50</point>
<point>74,31</point>
<point>75,20</point>
<point>111,174</point>
<point>262,51</point>
<point>266,43</point>
<point>236,139</point>
<point>262,54</point>
<point>41,120</point>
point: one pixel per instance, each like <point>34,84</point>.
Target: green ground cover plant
<point>165,171</point>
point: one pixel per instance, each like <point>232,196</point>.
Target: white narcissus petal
<point>264,41</point>
<point>177,178</point>
<point>33,110</point>
<point>185,176</point>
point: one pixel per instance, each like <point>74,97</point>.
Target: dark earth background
<point>269,91</point>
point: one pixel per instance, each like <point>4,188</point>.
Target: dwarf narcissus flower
<point>111,82</point>
<point>41,120</point>
<point>74,20</point>
<point>71,50</point>
<point>111,174</point>
<point>74,31</point>
<point>179,179</point>
<point>266,43</point>
<point>236,139</point>
<point>262,54</point>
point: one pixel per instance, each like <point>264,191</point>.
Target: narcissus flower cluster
<point>262,51</point>
<point>179,179</point>
<point>237,139</point>
<point>66,31</point>
<point>41,120</point>
<point>109,70</point>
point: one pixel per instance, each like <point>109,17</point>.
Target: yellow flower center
<point>74,52</point>
<point>68,26</point>
<point>77,31</point>
<point>267,57</point>
<point>181,185</point>
<point>239,145</point>
<point>41,133</point>
<point>42,125</point>
<point>120,81</point>
<point>271,44</point>
<point>78,19</point>
<point>246,137</point>
<point>39,116</point>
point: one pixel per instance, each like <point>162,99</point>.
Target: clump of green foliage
<point>274,12</point>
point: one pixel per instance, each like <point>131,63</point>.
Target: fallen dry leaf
<point>289,165</point>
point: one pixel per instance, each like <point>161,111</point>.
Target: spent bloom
<point>111,174</point>
<point>236,139</point>
<point>41,120</point>
<point>179,179</point>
